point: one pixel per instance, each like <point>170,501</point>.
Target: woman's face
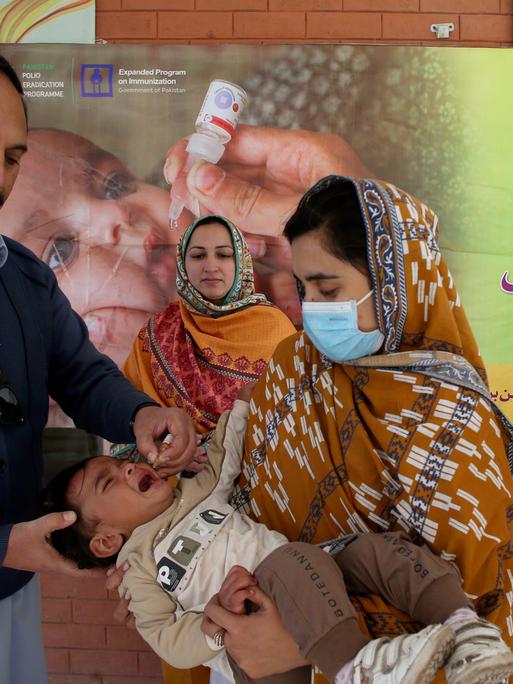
<point>102,231</point>
<point>210,261</point>
<point>326,278</point>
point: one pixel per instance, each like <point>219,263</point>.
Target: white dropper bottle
<point>215,124</point>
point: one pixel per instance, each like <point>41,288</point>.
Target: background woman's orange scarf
<point>200,363</point>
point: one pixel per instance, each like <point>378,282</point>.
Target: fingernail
<point>171,169</point>
<point>128,596</point>
<point>69,516</point>
<point>152,456</point>
<point>125,566</point>
<point>206,177</point>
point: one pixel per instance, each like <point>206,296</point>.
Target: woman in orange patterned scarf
<point>378,416</point>
<point>200,351</point>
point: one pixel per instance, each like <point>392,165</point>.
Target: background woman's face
<point>326,278</point>
<point>102,231</point>
<point>210,261</point>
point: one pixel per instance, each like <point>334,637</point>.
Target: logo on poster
<point>96,80</point>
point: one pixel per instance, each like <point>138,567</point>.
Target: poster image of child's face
<point>103,232</point>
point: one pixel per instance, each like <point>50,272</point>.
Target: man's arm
<point>88,385</point>
<point>5,531</point>
<point>93,391</point>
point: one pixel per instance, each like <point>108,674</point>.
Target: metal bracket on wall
<point>442,30</point>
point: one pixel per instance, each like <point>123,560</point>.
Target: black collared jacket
<point>45,350</point>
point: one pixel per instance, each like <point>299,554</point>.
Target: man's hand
<point>152,422</point>
<point>165,469</point>
<point>29,547</point>
<point>258,642</point>
<point>237,586</point>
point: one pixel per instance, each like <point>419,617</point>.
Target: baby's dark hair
<point>71,542</point>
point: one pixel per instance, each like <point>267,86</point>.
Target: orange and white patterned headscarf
<point>242,292</point>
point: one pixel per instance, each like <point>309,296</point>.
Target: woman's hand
<point>258,642</point>
<point>208,626</point>
<point>262,175</point>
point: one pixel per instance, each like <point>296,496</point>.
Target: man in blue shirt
<point>45,350</point>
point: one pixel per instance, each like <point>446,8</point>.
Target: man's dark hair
<point>71,542</point>
<point>332,206</point>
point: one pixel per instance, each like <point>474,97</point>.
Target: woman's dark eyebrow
<point>321,276</point>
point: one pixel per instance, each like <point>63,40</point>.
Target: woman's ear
<point>103,545</point>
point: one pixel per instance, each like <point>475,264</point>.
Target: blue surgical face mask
<point>333,329</point>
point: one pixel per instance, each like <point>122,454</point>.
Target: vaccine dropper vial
<point>215,124</point>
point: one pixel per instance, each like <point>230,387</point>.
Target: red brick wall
<point>84,644</point>
<point>476,22</point>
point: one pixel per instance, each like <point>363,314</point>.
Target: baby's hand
<point>237,587</point>
<point>246,391</point>
<point>199,461</point>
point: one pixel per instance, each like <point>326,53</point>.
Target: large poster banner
<point>91,200</point>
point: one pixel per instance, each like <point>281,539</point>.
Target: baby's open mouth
<point>145,483</point>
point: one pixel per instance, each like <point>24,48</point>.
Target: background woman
<point>394,427</point>
<point>200,351</point>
